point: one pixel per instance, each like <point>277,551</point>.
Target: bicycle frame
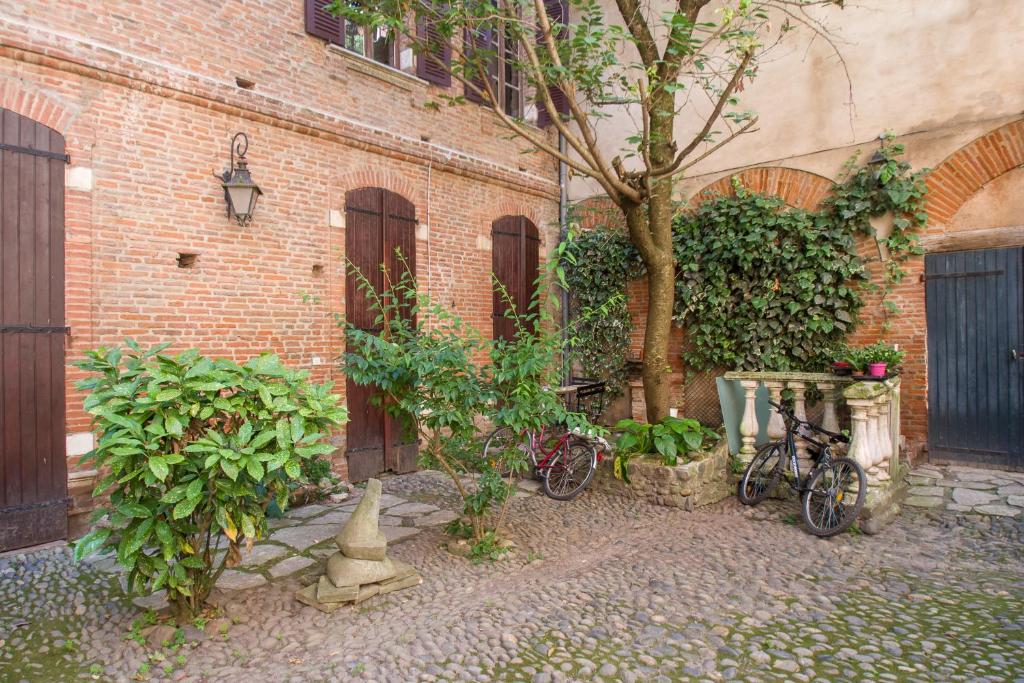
<point>537,446</point>
<point>793,425</point>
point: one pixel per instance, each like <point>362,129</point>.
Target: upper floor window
<point>381,44</point>
<point>501,57</point>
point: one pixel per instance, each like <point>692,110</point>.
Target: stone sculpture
<point>361,568</point>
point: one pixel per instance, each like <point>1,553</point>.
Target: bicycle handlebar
<point>783,410</point>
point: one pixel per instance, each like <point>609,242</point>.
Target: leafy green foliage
<point>887,184</point>
<point>444,378</point>
<point>879,352</point>
<point>603,261</point>
<point>759,285</point>
<point>193,449</point>
<point>671,438</point>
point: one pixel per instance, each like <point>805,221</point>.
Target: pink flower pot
<point>876,369</point>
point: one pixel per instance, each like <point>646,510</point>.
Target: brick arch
<point>971,167</point>
<point>597,211</point>
<point>514,207</point>
<point>798,188</point>
<point>389,181</point>
<point>36,106</point>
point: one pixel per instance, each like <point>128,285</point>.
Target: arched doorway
<point>515,261</point>
<point>33,467</point>
<point>378,225</point>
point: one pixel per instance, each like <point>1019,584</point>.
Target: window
<point>505,79</point>
<point>378,44</point>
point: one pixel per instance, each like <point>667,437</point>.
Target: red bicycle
<point>564,461</point>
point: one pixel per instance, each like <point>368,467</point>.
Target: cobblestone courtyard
<point>598,589</point>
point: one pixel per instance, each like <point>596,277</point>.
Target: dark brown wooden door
<point>515,260</point>
<point>379,225</point>
<point>33,469</point>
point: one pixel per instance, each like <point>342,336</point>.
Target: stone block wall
<point>688,486</point>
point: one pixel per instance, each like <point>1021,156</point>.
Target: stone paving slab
<point>966,490</point>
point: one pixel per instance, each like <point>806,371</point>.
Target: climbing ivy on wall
<point>886,185</point>
<point>602,261</point>
<point>759,285</point>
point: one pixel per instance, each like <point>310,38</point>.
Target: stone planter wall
<point>688,486</point>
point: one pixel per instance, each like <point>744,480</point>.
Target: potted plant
<point>877,359</point>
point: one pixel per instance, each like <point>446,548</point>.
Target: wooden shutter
<point>515,260</point>
<point>323,24</point>
<point>434,63</point>
<point>486,39</point>
<point>558,12</point>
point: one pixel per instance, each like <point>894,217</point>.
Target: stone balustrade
<point>874,413</point>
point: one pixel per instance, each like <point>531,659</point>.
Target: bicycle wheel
<point>570,470</point>
<point>505,448</point>
<point>762,474</point>
<point>834,497</point>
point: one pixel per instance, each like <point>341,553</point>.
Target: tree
<point>662,59</point>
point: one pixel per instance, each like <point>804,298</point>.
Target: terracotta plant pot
<point>841,368</point>
<point>876,369</point>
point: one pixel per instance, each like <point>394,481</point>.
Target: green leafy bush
<point>671,438</point>
<point>445,379</point>
<point>193,450</point>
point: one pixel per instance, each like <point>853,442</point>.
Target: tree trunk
<point>656,371</point>
<point>654,221</point>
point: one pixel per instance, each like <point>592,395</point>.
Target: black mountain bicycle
<point>833,493</point>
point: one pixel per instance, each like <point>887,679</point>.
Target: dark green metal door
<point>975,311</point>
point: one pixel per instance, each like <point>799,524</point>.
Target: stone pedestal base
<point>882,506</point>
<point>688,486</point>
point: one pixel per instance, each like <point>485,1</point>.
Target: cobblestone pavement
<point>599,589</point>
<point>967,490</point>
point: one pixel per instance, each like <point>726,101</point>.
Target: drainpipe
<point>563,232</point>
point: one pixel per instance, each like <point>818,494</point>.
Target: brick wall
<point>147,102</point>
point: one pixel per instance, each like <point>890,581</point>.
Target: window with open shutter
<point>434,63</point>
<point>323,24</point>
<point>515,260</point>
<point>558,12</point>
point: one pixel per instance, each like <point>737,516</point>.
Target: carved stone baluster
<point>776,425</point>
<point>860,449</point>
<point>748,425</point>
<point>800,410</point>
<point>829,421</point>
<point>873,441</point>
<point>884,436</point>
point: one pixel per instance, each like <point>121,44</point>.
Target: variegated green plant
<point>191,452</point>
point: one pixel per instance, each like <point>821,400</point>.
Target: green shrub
<point>879,352</point>
<point>193,449</point>
<point>670,438</point>
<point>444,379</point>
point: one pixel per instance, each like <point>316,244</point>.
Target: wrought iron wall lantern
<point>240,192</point>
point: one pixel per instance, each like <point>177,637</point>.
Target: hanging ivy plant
<point>602,261</point>
<point>885,185</point>
<point>760,285</point>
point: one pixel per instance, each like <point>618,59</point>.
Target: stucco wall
<point>938,72</point>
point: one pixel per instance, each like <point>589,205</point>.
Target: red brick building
<point>129,237</point>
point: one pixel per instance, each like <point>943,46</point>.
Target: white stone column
<point>748,425</point>
<point>776,425</point>
<point>860,449</point>
<point>800,410</point>
<point>874,440</point>
<point>829,421</point>
<point>884,435</point>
